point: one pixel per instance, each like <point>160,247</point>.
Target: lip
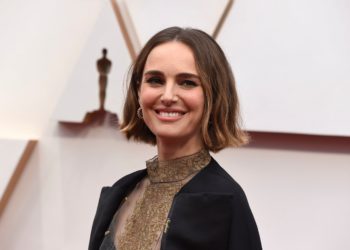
<point>171,114</point>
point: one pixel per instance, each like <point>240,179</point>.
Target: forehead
<point>171,56</point>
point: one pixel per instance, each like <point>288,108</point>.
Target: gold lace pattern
<point>144,227</point>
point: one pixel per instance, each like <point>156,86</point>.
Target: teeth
<point>169,114</point>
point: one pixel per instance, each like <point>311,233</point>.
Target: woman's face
<point>171,94</point>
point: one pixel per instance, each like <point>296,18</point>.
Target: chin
<point>168,135</point>
<point>173,135</point>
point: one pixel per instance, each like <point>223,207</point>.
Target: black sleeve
<point>244,234</point>
<point>96,235</point>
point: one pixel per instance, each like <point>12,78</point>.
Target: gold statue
<point>104,67</point>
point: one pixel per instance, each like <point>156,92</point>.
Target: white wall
<point>291,60</point>
<point>12,152</point>
<point>40,43</point>
<point>299,195</point>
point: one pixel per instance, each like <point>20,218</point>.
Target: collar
<point>176,169</point>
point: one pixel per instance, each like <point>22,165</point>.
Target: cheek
<point>196,102</point>
<point>146,96</point>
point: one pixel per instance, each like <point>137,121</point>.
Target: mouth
<point>170,114</point>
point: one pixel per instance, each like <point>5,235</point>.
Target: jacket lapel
<point>109,201</point>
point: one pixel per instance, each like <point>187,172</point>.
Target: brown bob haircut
<point>221,120</point>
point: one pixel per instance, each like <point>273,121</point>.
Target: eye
<point>188,84</point>
<point>154,80</point>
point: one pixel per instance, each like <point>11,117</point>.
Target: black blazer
<point>210,212</point>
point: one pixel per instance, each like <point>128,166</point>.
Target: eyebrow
<point>153,72</point>
<point>182,75</point>
<point>188,75</point>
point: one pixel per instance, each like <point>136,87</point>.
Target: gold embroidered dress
<point>143,226</point>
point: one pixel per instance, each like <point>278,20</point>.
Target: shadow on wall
<point>299,142</point>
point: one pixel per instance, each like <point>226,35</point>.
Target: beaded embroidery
<point>144,227</point>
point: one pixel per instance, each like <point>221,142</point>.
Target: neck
<point>169,149</point>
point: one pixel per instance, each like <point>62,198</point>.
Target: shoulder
<point>125,181</point>
<point>216,190</point>
<point>129,177</point>
<point>214,179</point>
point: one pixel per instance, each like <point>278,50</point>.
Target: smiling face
<point>171,95</point>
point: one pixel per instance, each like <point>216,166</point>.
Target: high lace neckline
<point>176,169</point>
<point>144,227</point>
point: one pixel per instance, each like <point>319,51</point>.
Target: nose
<point>169,95</point>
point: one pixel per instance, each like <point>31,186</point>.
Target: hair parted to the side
<point>221,120</point>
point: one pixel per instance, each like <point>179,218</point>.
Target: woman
<point>181,98</point>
